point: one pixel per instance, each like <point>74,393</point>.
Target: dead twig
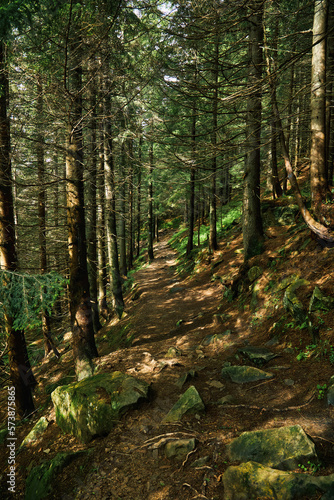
<point>258,385</point>
<point>165,437</point>
<point>188,455</point>
<point>253,407</point>
<point>198,495</point>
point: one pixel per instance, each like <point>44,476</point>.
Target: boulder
<point>36,432</point>
<point>253,480</point>
<point>291,302</point>
<point>283,448</point>
<point>92,406</point>
<point>189,402</point>
<point>320,302</point>
<point>216,338</point>
<point>244,374</point>
<point>254,273</point>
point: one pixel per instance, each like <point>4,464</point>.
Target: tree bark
<point>49,344</point>
<point>100,231</point>
<point>114,267</point>
<point>190,242</point>
<point>324,234</point>
<point>91,209</point>
<point>138,218</point>
<point>318,172</point>
<point>150,221</point>
<point>213,245</point>
<point>252,220</point>
<point>19,366</point>
<point>84,348</point>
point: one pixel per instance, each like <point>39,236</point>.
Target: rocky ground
<point>177,322</point>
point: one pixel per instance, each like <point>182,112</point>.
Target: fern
<point>24,297</point>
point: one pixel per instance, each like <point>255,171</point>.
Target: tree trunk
<point>122,213</point>
<point>213,245</point>
<point>91,210</point>
<point>84,348</point>
<point>19,365</point>
<point>139,197</point>
<point>115,275</point>
<point>100,232</point>
<point>252,220</point>
<point>319,185</point>
<point>324,234</point>
<point>49,344</point>
<point>130,232</point>
<point>190,242</point>
<point>150,221</point>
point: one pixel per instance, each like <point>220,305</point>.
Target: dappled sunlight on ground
<point>176,312</point>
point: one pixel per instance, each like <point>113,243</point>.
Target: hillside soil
<point>166,310</point>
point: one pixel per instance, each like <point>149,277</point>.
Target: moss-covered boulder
<point>291,302</point>
<point>189,402</point>
<point>282,448</point>
<point>252,480</point>
<point>36,432</point>
<point>39,482</point>
<point>254,273</point>
<point>320,302</point>
<point>244,374</point>
<point>92,406</point>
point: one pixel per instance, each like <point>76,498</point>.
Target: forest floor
<point>173,310</point>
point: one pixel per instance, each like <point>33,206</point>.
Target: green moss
<point>39,482</point>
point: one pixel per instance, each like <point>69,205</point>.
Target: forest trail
<point>169,317</point>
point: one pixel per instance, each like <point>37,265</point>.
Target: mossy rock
<point>254,273</point>
<point>259,355</point>
<point>282,448</point>
<point>320,302</point>
<point>92,406</point>
<point>291,302</point>
<point>252,480</point>
<point>39,482</point>
<point>244,374</point>
<point>178,449</point>
<point>36,432</point>
<point>189,402</point>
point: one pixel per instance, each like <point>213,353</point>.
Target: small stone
<point>190,401</point>
<point>200,461</point>
<point>179,448</point>
<point>228,399</point>
<point>289,381</point>
<point>216,384</point>
<point>244,374</point>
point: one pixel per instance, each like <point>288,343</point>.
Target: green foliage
<point>120,339</point>
<point>310,468</point>
<point>309,351</point>
<point>24,297</point>
<point>331,356</point>
<point>321,390</point>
